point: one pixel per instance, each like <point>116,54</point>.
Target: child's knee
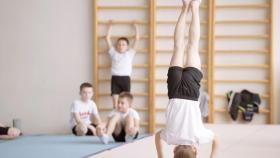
<point>81,129</point>
<point>13,132</point>
<point>116,117</point>
<point>129,119</point>
<point>130,131</point>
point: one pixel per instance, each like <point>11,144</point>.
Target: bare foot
<point>195,5</point>
<point>186,2</point>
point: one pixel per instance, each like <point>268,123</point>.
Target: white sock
<point>129,138</point>
<point>104,138</point>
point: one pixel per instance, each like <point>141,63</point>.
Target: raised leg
<point>114,125</point>
<point>192,58</point>
<point>115,98</point>
<point>179,37</point>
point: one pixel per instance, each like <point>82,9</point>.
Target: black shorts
<point>121,137</point>
<point>120,84</point>
<point>4,130</point>
<point>89,132</point>
<point>183,83</point>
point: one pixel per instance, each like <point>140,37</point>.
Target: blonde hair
<point>126,95</point>
<point>184,151</point>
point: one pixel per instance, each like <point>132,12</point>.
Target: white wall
<point>45,53</point>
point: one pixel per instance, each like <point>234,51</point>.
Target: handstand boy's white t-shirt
<point>85,109</point>
<point>121,62</point>
<point>184,125</point>
<point>130,112</point>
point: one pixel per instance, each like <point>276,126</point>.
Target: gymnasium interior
<point>49,47</point>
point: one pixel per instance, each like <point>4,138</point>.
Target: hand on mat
<point>101,125</point>
<point>100,129</point>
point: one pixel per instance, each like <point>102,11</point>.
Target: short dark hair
<point>85,85</point>
<point>123,39</point>
<point>184,151</point>
<point>126,95</point>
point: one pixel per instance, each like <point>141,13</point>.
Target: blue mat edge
<point>146,136</point>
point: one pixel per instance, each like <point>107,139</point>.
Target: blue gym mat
<point>54,146</point>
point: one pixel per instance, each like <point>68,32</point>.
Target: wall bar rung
<point>135,94</point>
<point>134,66</point>
<point>263,66</point>
<point>137,51</point>
<point>263,96</point>
<point>121,22</point>
<point>122,7</point>
<point>262,110</point>
<point>132,80</point>
<point>242,21</point>
<point>243,6</point>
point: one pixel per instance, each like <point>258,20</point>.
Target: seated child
<point>121,58</point>
<point>85,119</point>
<point>8,132</point>
<point>123,122</point>
<point>184,127</point>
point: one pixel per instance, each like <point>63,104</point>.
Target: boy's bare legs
<point>92,128</point>
<point>130,128</point>
<point>81,129</point>
<point>114,125</point>
<point>192,58</point>
<point>179,37</point>
<point>99,131</point>
<point>115,98</point>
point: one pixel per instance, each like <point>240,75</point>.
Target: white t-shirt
<point>184,125</point>
<point>85,110</point>
<point>121,62</point>
<point>130,112</point>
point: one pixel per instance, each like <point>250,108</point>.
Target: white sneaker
<point>104,139</point>
<point>129,138</point>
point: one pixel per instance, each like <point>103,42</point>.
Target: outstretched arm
<point>108,36</point>
<point>137,36</point>
<point>215,146</point>
<point>158,145</point>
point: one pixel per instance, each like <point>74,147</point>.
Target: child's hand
<point>110,22</point>
<point>101,125</point>
<point>137,33</point>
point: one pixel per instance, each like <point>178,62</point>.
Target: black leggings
<point>4,130</point>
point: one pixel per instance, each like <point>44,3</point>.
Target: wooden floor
<point>242,141</point>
